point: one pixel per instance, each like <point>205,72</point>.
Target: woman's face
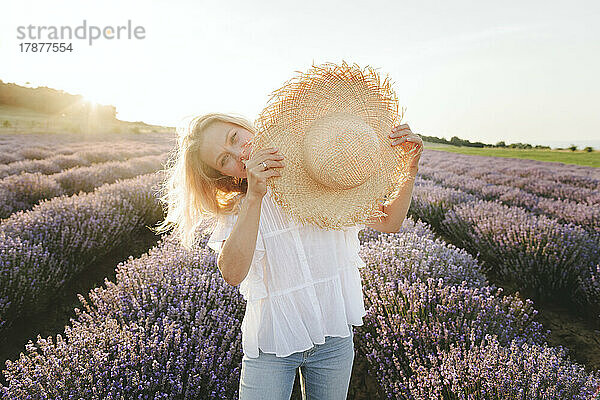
<point>223,148</point>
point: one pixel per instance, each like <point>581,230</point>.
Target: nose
<point>245,153</point>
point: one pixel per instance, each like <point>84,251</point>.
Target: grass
<point>578,157</point>
<point>22,120</point>
<point>12,113</point>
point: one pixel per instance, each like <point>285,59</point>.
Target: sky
<point>517,71</point>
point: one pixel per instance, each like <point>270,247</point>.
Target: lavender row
<point>18,147</point>
<point>47,146</point>
<point>169,327</point>
<point>430,201</point>
<point>551,260</point>
<point>415,252</point>
<point>426,336</point>
<point>11,153</point>
<point>491,173</point>
<point>56,164</point>
<point>491,371</point>
<point>568,174</point>
<point>545,188</point>
<point>22,192</point>
<point>45,247</point>
<point>567,211</point>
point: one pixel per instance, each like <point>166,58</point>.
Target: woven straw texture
<point>312,96</point>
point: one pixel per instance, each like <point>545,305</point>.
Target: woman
<point>301,283</point>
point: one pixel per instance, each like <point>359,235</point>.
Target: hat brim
<point>326,89</point>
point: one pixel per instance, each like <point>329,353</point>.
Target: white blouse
<point>303,283</point>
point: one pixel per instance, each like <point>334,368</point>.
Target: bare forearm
<point>237,252</point>
<point>397,209</point>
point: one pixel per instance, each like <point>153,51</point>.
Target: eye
<point>226,155</point>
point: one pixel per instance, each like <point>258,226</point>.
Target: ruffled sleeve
<point>253,286</point>
<point>221,231</point>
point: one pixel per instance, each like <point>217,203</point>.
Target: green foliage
<point>520,145</point>
<point>455,140</point>
<point>591,159</point>
<point>51,101</point>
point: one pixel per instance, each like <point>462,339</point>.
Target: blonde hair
<point>193,191</point>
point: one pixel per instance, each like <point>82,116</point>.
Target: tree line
<point>51,101</point>
<point>456,141</point>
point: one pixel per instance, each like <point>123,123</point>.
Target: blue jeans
<point>325,371</point>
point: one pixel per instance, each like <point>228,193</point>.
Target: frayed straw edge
<point>291,87</point>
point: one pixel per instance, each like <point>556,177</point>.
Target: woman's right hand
<point>257,174</point>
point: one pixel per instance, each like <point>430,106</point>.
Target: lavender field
<point>461,302</point>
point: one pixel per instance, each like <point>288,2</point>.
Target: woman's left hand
<point>411,142</point>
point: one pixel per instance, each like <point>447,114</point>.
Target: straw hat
<point>332,125</point>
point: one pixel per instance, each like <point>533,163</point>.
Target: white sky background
<point>523,71</point>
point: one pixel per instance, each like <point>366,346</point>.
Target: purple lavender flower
<point>493,371</point>
<point>409,324</point>
<point>58,238</point>
<point>545,257</point>
<point>169,327</point>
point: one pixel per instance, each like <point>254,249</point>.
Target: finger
<point>272,172</point>
<point>277,164</point>
<point>411,137</point>
<point>268,150</point>
<point>400,134</point>
<point>271,163</point>
<point>401,140</point>
<point>400,128</point>
<point>265,157</point>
